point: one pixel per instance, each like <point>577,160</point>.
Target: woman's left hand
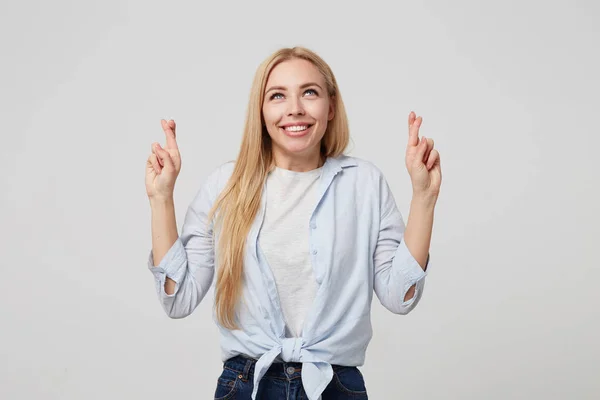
<point>422,161</point>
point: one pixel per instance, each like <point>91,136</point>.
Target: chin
<point>299,151</point>
<point>298,148</point>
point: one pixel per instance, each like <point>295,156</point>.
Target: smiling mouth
<point>296,128</point>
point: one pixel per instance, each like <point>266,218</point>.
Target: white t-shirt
<point>284,239</point>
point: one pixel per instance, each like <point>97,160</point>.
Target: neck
<point>298,163</point>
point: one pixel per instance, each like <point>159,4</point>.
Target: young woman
<point>300,235</point>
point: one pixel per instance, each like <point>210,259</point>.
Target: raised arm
<point>183,266</point>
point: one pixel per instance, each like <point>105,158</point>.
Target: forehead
<point>293,73</point>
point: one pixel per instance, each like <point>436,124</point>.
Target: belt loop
<point>249,363</point>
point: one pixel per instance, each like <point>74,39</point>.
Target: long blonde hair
<point>238,203</point>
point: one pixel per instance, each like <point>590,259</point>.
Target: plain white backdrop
<point>508,90</point>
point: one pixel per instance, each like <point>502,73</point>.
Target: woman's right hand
<point>163,165</point>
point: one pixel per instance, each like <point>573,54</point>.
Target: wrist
<point>424,200</point>
<point>161,201</point>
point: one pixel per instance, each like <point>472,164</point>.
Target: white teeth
<point>296,128</point>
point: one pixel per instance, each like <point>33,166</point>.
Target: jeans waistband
<point>244,366</point>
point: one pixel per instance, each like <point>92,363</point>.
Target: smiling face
<point>296,110</point>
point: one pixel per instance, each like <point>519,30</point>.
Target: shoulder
<point>360,168</point>
<point>364,178</point>
<point>216,179</point>
<point>221,174</point>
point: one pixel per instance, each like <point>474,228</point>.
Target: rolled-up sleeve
<point>190,261</point>
<point>395,268</point>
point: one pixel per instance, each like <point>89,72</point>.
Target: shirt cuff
<point>412,272</point>
<point>173,264</point>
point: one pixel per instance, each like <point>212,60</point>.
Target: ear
<point>331,108</point>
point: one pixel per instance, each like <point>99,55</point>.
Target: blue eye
<point>275,96</point>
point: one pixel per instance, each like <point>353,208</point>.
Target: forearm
<point>417,235</point>
<point>164,233</point>
<point>419,227</point>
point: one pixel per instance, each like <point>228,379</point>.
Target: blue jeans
<point>283,381</point>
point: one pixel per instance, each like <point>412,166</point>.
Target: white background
<point>508,90</point>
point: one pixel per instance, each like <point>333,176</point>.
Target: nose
<point>295,107</point>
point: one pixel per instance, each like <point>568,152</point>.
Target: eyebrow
<point>305,85</point>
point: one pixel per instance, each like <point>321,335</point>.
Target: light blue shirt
<point>356,248</point>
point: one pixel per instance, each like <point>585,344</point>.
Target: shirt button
<point>291,370</point>
<point>313,225</point>
<point>314,251</point>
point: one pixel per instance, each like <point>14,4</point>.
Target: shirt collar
<point>336,164</point>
